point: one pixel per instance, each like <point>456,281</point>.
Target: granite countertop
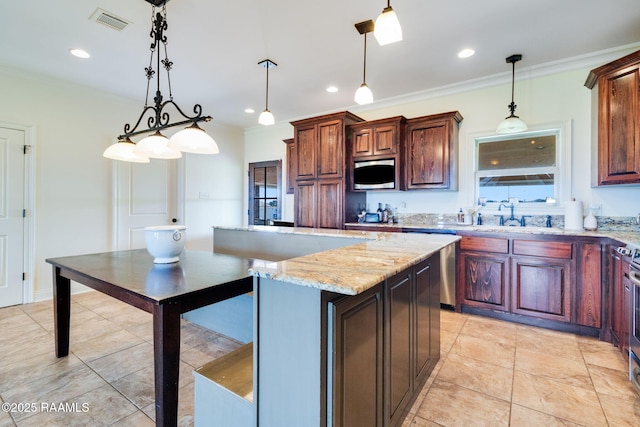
<point>623,236</point>
<point>352,269</point>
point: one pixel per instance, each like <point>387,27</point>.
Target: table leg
<point>166,349</point>
<point>61,311</point>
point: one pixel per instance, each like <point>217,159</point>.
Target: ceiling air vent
<point>109,19</point>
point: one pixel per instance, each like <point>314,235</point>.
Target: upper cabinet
<point>377,138</point>
<point>291,165</point>
<point>618,85</point>
<point>431,151</point>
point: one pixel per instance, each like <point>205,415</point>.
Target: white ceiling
<point>216,45</point>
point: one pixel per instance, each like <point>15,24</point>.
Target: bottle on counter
<point>460,217</point>
<point>379,212</point>
<point>479,220</point>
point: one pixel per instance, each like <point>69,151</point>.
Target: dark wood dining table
<point>164,290</point>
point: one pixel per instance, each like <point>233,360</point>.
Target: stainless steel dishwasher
<point>447,266</point>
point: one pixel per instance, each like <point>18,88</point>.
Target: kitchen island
<point>344,336</point>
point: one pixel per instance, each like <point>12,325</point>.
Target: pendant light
<point>512,124</point>
<point>388,29</point>
<point>363,94</point>
<point>266,117</point>
<point>191,140</point>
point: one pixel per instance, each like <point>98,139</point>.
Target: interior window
<point>264,192</point>
<point>523,166</point>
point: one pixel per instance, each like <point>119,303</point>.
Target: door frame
<point>28,201</point>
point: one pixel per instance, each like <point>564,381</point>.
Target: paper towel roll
<point>573,215</point>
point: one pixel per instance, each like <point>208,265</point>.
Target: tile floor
<point>491,373</point>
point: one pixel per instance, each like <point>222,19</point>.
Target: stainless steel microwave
<point>374,174</point>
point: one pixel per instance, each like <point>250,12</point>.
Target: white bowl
<point>165,242</point>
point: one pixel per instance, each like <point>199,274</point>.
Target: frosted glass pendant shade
<point>363,95</point>
<point>387,29</point>
<point>125,151</point>
<point>266,118</point>
<point>511,124</point>
<point>193,140</point>
<point>156,146</point>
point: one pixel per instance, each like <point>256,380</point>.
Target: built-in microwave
<point>374,174</point>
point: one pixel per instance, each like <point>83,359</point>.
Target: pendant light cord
<point>364,67</point>
<point>266,106</point>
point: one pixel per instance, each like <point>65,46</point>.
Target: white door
<point>146,194</point>
<point>12,142</point>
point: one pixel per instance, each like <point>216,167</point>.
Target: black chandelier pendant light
<point>512,123</point>
<point>192,139</point>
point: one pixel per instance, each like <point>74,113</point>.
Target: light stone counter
<point>351,269</point>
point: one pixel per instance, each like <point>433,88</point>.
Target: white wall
<point>541,97</point>
<point>73,182</point>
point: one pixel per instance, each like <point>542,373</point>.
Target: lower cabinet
<point>619,300</point>
<point>386,342</point>
<point>319,203</point>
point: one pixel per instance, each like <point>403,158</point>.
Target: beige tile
<point>32,343</point>
<point>138,387</point>
<point>209,350</point>
<point>497,331</point>
<point>612,382</point>
<point>137,419</point>
<point>113,308</point>
<point>5,418</point>
<point>124,362</point>
<point>185,407</point>
<point>133,318</point>
<point>521,416</point>
<point>17,320</point>
<point>548,342</point>
<point>36,367</point>
<point>478,376</point>
<point>602,353</point>
<point>104,345</point>
<point>10,312</point>
<point>142,331</point>
<point>621,412</point>
<point>486,350</point>
<point>447,339</point>
<point>100,407</point>
<point>569,371</point>
<point>417,421</point>
<point>477,409</point>
<point>58,388</point>
<point>452,321</point>
<point>576,404</point>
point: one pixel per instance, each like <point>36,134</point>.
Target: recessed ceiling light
<point>249,110</point>
<point>465,53</point>
<point>79,53</point>
<point>332,89</point>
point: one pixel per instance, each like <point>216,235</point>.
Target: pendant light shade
<point>193,140</point>
<point>512,124</point>
<point>266,117</point>
<point>363,94</point>
<point>387,29</point>
<point>125,151</point>
<point>156,146</point>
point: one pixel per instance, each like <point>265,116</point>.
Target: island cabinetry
<point>374,383</point>
<point>537,278</point>
<point>291,165</point>
<point>618,102</point>
<point>431,151</point>
<point>619,300</point>
<point>320,163</point>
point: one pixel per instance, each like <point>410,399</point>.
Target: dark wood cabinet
<point>320,195</point>
<point>536,277</point>
<point>377,137</point>
<point>431,151</point>
<point>618,86</point>
<point>619,300</point>
<point>291,165</point>
<point>385,345</point>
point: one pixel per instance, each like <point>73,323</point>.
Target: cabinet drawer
<point>542,249</point>
<point>484,244</point>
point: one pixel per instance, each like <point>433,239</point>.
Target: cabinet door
<point>362,141</point>
<point>292,173</point>
<point>305,207</point>
<point>588,285</point>
<point>358,364</point>
<point>385,140</point>
<point>540,288</point>
<point>484,279</point>
<point>330,145</point>
<point>427,314</point>
<point>399,357</point>
<point>428,155</point>
<point>329,203</point>
<point>305,141</point>
<point>626,308</point>
<point>619,126</point>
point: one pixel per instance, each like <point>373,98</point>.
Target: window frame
<point>561,171</point>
